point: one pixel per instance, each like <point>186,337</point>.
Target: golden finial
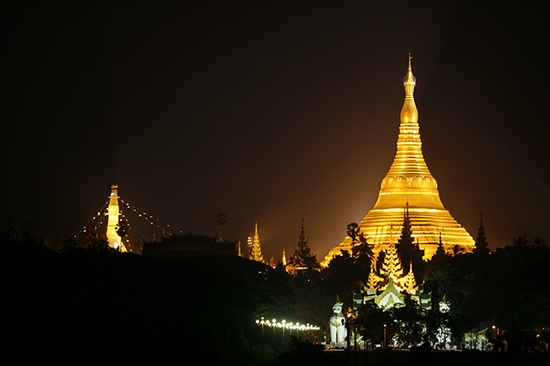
<point>409,81</point>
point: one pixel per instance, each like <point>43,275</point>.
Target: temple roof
<point>389,297</point>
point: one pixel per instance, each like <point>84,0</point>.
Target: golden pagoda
<point>113,213</point>
<point>409,181</point>
<point>256,248</point>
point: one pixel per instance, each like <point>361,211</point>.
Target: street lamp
<point>384,345</point>
<point>284,324</point>
<point>262,323</point>
<point>352,321</point>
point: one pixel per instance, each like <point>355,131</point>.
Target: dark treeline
<point>96,305</point>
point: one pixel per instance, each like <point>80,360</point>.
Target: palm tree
<point>440,281</point>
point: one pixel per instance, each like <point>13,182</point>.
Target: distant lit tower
<point>239,251</point>
<point>256,248</point>
<point>113,212</point>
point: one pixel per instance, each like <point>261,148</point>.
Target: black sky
<point>270,111</point>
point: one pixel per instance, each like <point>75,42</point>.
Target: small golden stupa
<point>409,182</point>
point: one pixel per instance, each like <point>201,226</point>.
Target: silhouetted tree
<point>374,319</point>
<point>520,241</point>
<point>221,219</point>
<point>341,277</point>
<point>14,228</point>
<point>410,321</point>
<point>361,250</point>
<point>538,242</point>
<point>27,231</point>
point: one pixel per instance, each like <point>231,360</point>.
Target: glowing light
<point>113,213</point>
<point>287,325</point>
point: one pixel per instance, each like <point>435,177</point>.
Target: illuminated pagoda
<point>113,213</point>
<point>409,182</point>
<point>239,251</point>
<point>255,247</point>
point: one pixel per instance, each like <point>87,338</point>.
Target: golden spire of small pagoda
<point>408,283</point>
<point>391,267</point>
<point>373,279</point>
<point>409,180</point>
<point>256,251</point>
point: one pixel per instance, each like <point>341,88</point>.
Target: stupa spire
<point>409,183</point>
<point>256,250</point>
<point>373,280</point>
<point>409,81</point>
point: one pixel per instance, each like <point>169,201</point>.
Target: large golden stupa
<point>409,183</point>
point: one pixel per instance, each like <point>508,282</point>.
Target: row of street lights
<point>286,325</point>
<point>283,324</point>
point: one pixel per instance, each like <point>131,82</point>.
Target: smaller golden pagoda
<point>255,246</point>
<point>409,185</point>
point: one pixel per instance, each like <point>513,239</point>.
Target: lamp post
<point>365,343</point>
<point>352,321</point>
<point>384,345</point>
<point>284,325</point>
<point>346,323</point>
<point>262,323</point>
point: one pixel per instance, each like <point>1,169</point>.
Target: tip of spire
<point>409,71</point>
<point>409,80</point>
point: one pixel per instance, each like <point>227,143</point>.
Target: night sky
<point>271,111</point>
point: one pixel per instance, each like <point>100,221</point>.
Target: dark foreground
<point>440,358</point>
